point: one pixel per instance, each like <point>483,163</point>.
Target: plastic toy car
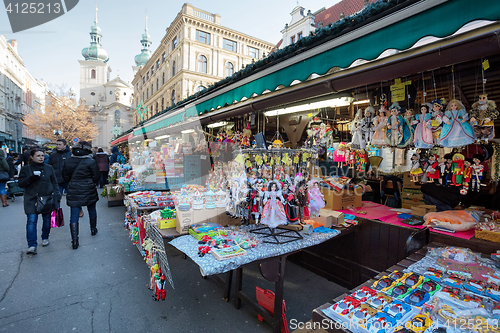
<point>454,281</point>
<point>384,283</point>
<point>453,292</point>
<point>473,298</point>
<point>380,323</point>
<point>360,315</point>
<point>346,305</point>
<point>413,280</point>
<point>399,291</point>
<point>397,275</point>
<point>419,323</point>
<point>434,274</point>
<point>417,298</point>
<point>379,301</point>
<point>397,309</point>
<point>493,291</point>
<point>364,293</point>
<point>430,287</point>
<point>475,286</point>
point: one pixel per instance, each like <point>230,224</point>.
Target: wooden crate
<point>491,236</point>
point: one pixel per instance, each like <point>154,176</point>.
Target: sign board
<point>398,90</point>
<point>75,140</point>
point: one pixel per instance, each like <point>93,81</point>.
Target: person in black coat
<point>38,180</point>
<point>81,173</point>
<point>56,159</point>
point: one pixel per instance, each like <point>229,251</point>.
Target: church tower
<point>142,58</point>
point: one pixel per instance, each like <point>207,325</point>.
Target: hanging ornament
<point>116,130</point>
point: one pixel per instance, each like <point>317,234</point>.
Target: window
<point>143,80</point>
<point>147,76</point>
<point>156,109</point>
<point>152,70</point>
<point>92,74</point>
<point>162,104</point>
<point>173,68</point>
<point>292,39</point>
<point>229,69</point>
<point>163,57</point>
<point>124,93</point>
<point>202,64</point>
<point>172,99</point>
<point>91,94</point>
<point>200,88</point>
<point>174,43</point>
<point>147,93</point>
<point>157,84</point>
<point>117,117</point>
<point>229,45</point>
<point>157,63</point>
<point>253,52</point>
<point>203,37</point>
<point>299,35</point>
<point>163,79</point>
<point>110,92</point>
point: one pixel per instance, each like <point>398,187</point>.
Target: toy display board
<point>450,290</point>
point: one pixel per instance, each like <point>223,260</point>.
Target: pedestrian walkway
<point>102,286</point>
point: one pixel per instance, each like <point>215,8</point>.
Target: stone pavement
<point>102,286</point>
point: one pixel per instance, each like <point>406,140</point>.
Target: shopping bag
<point>56,218</point>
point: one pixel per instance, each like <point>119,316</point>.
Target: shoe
<point>31,250</point>
<point>73,227</point>
<point>45,242</point>
<point>93,225</point>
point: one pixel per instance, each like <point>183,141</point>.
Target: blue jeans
<point>63,187</point>
<point>2,188</point>
<point>75,213</point>
<point>31,228</point>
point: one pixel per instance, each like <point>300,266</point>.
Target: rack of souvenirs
<point>449,290</point>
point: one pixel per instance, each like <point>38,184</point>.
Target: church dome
<point>142,58</point>
<point>94,52</point>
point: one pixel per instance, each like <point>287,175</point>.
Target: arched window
<point>172,99</point>
<point>92,74</point>
<point>147,93</point>
<point>117,117</point>
<point>173,68</point>
<point>157,84</point>
<point>229,69</point>
<point>202,64</point>
<point>163,79</point>
<point>162,104</point>
<point>200,88</point>
<point>156,109</point>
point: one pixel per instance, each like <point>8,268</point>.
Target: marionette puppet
<point>302,199</point>
<point>416,170</point>
<point>289,203</point>
<point>410,118</point>
<point>456,131</point>
<point>256,200</point>
<point>422,137</point>
<point>356,142</point>
<point>397,133</point>
<point>160,285</point>
<point>467,177</point>
<point>339,154</point>
<point>273,213</point>
<point>316,199</point>
<point>457,169</point>
<point>367,126</point>
<point>347,155</point>
<point>482,118</point>
<point>477,172</point>
<point>379,125</point>
<point>441,168</point>
<point>437,120</point>
<point>433,169</point>
<point>362,160</point>
<point>244,203</point>
<point>448,171</point>
<point>352,159</point>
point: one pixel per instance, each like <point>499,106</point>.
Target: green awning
<point>440,21</point>
<point>164,123</point>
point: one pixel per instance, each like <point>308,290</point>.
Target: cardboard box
<point>421,210</point>
<point>407,181</point>
<point>167,223</point>
<point>337,200</point>
<point>184,220</point>
<point>327,221</point>
<point>336,217</point>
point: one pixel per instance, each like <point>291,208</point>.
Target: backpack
<point>120,159</point>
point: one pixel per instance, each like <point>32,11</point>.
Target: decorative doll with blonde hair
<point>379,123</point>
<point>456,132</point>
<point>316,199</point>
<point>339,154</point>
<point>423,132</point>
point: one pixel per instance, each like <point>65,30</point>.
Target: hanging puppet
<point>367,126</point>
<point>273,213</point>
<point>467,176</point>
<point>339,154</point>
<point>398,133</point>
<point>433,169</point>
<point>482,118</point>
<point>290,207</point>
<point>477,172</point>
<point>423,132</point>
<point>379,124</point>
<point>457,169</point>
<point>437,120</point>
<point>356,142</point>
<point>448,171</point>
<point>416,170</point>
<point>316,199</point>
<point>456,131</point>
<point>302,199</point>
<point>256,199</point>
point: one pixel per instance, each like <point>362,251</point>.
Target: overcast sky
<point>51,51</point>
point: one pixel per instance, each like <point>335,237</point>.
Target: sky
<point>51,51</point>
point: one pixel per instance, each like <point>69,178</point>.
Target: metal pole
<point>15,142</point>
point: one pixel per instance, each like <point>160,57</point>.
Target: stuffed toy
<point>423,133</point>
<point>482,118</point>
<point>456,132</point>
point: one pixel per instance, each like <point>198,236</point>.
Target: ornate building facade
<point>195,52</point>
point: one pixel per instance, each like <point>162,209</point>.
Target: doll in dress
<point>437,120</point>
<point>467,177</point>
<point>433,169</point>
<point>290,208</point>
<point>273,213</point>
<point>456,132</point>
<point>477,172</point>
<point>423,132</point>
<point>339,154</point>
<point>256,199</point>
<point>379,124</point>
<point>351,158</point>
<point>398,133</point>
<point>482,118</point>
<point>416,170</point>
<point>367,126</point>
<point>316,199</point>
<point>356,142</point>
<point>457,169</point>
<point>302,199</point>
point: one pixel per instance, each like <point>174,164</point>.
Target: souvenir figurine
<point>366,126</point>
<point>416,170</point>
<point>317,199</point>
<point>160,285</point>
<point>409,119</point>
<point>423,133</point>
<point>379,124</point>
<point>448,171</point>
<point>437,120</point>
<point>441,168</point>
<point>362,160</point>
<point>457,169</point>
<point>433,169</point>
<point>339,154</point>
<point>456,131</point>
<point>256,200</point>
<point>302,199</point>
<point>398,133</point>
<point>467,177</point>
<point>477,172</point>
<point>351,158</point>
<point>356,142</point>
<point>273,213</point>
<point>482,118</point>
<point>244,203</point>
<point>290,208</point>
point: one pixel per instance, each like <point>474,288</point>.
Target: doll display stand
<point>276,235</point>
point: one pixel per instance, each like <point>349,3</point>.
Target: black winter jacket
<point>45,185</point>
<point>56,159</point>
<point>82,189</point>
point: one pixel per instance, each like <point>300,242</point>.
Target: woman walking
<point>82,174</point>
<point>102,161</point>
<point>40,194</point>
<point>4,177</point>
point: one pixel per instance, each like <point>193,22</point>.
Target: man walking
<point>56,159</point>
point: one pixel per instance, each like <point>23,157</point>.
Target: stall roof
<point>399,30</point>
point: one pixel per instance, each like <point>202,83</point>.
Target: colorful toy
<point>417,297</point>
<point>364,293</point>
<point>433,173</point>
<point>360,315</point>
<point>475,286</point>
<point>413,280</point>
<point>316,199</point>
<point>482,118</point>
<point>430,287</point>
<point>400,291</point>
<point>419,323</point>
<point>273,213</point>
<point>423,133</point>
<point>379,125</point>
<point>346,305</point>
<point>379,301</point>
<point>380,323</point>
<point>437,119</point>
<point>457,169</point>
<point>477,172</point>
<point>384,283</point>
<point>416,170</point>
<point>456,131</point>
<point>453,281</point>
<point>397,309</point>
